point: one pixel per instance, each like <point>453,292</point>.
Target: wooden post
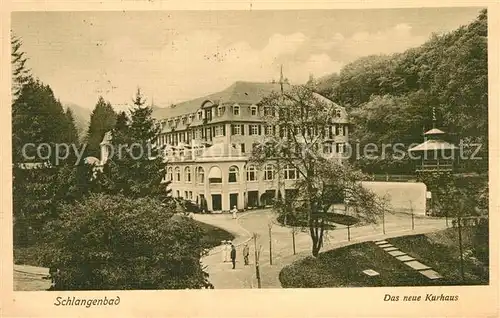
<point>412,216</point>
<point>257,272</point>
<point>270,225</point>
<point>348,232</point>
<point>383,221</point>
<point>412,220</point>
<point>293,240</point>
<point>461,248</point>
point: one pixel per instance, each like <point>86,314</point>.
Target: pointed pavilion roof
<point>433,145</point>
<point>434,131</point>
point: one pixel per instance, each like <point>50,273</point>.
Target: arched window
<point>290,173</point>
<point>269,172</point>
<point>200,175</point>
<point>215,175</point>
<point>170,174</point>
<point>177,174</point>
<point>233,174</point>
<point>187,174</point>
<point>251,173</point>
<point>338,112</point>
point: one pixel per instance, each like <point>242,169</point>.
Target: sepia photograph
<point>247,149</point>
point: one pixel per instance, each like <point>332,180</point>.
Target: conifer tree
<point>71,131</point>
<point>20,72</point>
<point>37,117</point>
<point>137,170</point>
<point>102,120</point>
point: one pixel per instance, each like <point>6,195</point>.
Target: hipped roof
<point>240,92</point>
<point>433,145</point>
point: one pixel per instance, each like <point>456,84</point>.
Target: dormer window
<point>171,123</point>
<point>200,115</point>
<point>253,110</point>
<point>220,110</point>
<point>177,122</point>
<point>338,113</point>
<point>208,114</point>
<point>236,110</point>
<point>184,120</point>
<point>268,111</point>
<point>190,120</point>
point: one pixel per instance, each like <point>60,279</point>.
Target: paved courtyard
<point>222,276</point>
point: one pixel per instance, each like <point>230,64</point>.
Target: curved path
<point>223,276</point>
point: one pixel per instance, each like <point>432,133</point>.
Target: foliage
<point>37,118</point>
<point>480,241</point>
<point>38,192</point>
<point>115,242</point>
<point>456,195</point>
<point>71,131</point>
<point>102,120</point>
<point>302,121</point>
<point>391,97</point>
<point>136,168</point>
<point>20,73</point>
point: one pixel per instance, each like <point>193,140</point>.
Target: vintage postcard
<point>250,159</point>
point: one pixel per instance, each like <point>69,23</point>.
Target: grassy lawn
<point>214,235</point>
<point>440,251</point>
<point>343,267</point>
<point>336,218</point>
<point>342,219</point>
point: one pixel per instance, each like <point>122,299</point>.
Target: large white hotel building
<point>209,140</point>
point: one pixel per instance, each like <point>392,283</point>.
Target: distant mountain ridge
<point>81,116</point>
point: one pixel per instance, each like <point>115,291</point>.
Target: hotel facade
<point>208,142</point>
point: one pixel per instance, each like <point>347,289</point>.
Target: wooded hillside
<point>390,97</point>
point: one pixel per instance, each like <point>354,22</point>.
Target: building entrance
<point>216,202</point>
<point>253,198</point>
<point>233,200</point>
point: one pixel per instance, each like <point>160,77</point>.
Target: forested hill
<point>390,97</point>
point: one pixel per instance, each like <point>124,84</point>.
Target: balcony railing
<point>433,165</point>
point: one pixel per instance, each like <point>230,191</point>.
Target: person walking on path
<point>246,252</point>
<point>234,210</point>
<point>225,251</point>
<point>233,255</point>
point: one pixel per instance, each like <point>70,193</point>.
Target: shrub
<point>113,242</point>
<point>480,241</point>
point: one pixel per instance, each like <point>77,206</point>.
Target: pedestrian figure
<point>234,210</point>
<point>225,251</point>
<point>246,252</point>
<point>233,255</point>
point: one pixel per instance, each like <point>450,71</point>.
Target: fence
<point>392,177</point>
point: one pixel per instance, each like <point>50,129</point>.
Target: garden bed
<point>343,267</point>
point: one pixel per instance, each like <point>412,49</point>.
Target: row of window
<point>207,133</point>
<point>219,111</point>
<point>174,174</point>
<point>188,195</point>
<point>187,154</point>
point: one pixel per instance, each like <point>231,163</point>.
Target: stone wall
<point>402,196</point>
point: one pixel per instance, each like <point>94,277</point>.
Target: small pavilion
<point>434,154</point>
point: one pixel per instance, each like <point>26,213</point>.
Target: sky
<point>175,56</point>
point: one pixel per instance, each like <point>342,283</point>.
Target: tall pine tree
<point>102,120</point>
<point>71,131</point>
<point>37,117</point>
<point>138,169</point>
<point>20,73</point>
